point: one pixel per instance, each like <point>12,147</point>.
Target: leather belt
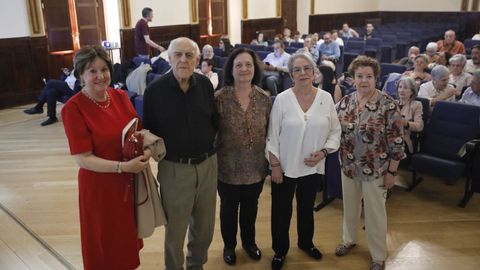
<point>192,160</point>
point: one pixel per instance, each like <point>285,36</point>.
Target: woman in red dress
<point>93,121</point>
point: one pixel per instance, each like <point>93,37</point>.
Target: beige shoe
<point>377,266</point>
<point>343,249</point>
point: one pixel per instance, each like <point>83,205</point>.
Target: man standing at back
<point>142,35</point>
<point>180,108</point>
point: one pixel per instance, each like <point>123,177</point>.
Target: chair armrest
<point>468,149</point>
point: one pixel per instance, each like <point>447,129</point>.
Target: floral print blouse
<point>371,136</point>
<point>242,136</point>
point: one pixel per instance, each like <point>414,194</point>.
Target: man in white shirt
<point>438,88</point>
<point>275,63</point>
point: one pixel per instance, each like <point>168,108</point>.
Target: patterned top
<point>242,136</point>
<point>371,137</point>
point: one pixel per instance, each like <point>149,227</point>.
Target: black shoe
<point>277,262</point>
<point>49,121</point>
<point>253,251</point>
<point>229,256</point>
<point>33,110</point>
<point>313,252</point>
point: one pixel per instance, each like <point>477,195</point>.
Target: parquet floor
<point>38,186</point>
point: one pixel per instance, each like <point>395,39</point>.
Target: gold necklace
<point>96,103</point>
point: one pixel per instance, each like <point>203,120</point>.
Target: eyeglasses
<point>298,70</point>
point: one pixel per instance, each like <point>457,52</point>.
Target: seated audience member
<point>297,37</point>
<point>275,62</point>
<point>225,46</point>
<point>432,54</point>
<point>309,49</point>
<point>278,37</point>
<point>208,53</point>
<point>287,35</point>
<point>55,90</point>
<point>444,58</point>
<point>329,50</point>
<point>474,63</point>
<point>449,44</point>
<point>260,39</point>
<point>409,60</point>
<point>458,77</point>
<point>347,32</point>
<point>438,88</point>
<point>419,73</point>
<point>345,86</point>
<point>206,68</point>
<point>370,33</point>
<point>412,113</point>
<point>335,38</point>
<point>476,36</point>
<point>315,39</point>
<point>471,96</point>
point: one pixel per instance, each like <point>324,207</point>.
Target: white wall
<point>303,11</point>
<point>420,5</point>
<point>234,20</point>
<point>112,24</point>
<point>14,19</point>
<point>165,12</point>
<point>346,6</point>
<point>261,9</point>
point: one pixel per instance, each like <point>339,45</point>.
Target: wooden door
<point>90,21</point>
<point>289,14</point>
<point>56,14</point>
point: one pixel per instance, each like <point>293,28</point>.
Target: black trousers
<point>53,91</point>
<point>305,189</point>
<point>232,197</point>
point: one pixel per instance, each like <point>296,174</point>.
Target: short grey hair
<point>476,76</point>
<point>207,46</point>
<point>409,82</point>
<point>438,72</point>
<point>295,56</point>
<point>458,58</point>
<point>174,42</point>
<point>432,46</point>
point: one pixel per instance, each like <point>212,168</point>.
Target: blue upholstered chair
<point>332,185</point>
<point>138,104</point>
<point>451,125</point>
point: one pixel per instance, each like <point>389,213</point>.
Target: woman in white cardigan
<point>303,129</point>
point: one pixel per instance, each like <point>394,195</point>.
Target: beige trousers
<point>373,195</point>
<point>189,194</point>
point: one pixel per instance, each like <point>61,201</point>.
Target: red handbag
<point>132,143</point>
<point>133,147</point>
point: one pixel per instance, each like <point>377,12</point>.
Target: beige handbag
<point>149,212</point>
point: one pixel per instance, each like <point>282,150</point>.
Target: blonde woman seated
<point>419,73</point>
<point>412,113</point>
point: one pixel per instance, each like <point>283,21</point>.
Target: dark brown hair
<point>85,57</point>
<point>228,68</point>
<point>364,61</point>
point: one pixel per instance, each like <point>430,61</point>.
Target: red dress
<point>107,222</point>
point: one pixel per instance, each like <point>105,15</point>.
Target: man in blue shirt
<point>471,96</point>
<point>329,50</point>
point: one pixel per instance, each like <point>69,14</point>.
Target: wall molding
<point>34,17</point>
<point>125,13</point>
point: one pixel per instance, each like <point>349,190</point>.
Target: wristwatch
<point>392,173</point>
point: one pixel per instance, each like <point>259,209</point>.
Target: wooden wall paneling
<point>475,6</point>
<point>22,63</point>
<point>160,34</point>
<point>269,26</point>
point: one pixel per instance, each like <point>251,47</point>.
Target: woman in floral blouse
<point>244,110</point>
<point>371,148</point>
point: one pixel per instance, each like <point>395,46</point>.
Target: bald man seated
<point>450,44</point>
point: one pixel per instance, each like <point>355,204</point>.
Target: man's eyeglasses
<point>298,70</point>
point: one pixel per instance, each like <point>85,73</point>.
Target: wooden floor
<point>38,186</point>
